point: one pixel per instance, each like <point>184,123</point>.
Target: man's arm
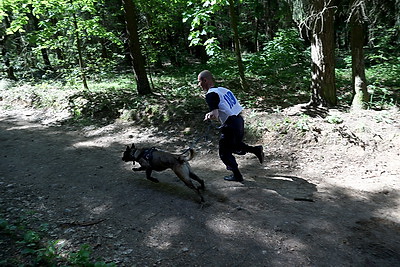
<point>212,100</point>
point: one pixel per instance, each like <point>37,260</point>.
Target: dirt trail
<point>329,199</point>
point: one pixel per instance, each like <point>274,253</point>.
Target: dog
<point>152,159</point>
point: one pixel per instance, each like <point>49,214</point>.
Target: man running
<point>225,107</point>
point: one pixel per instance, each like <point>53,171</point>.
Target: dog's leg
<point>195,177</point>
<point>148,176</point>
<point>184,176</point>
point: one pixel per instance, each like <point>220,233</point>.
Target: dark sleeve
<point>212,100</point>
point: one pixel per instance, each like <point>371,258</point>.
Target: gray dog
<point>152,159</point>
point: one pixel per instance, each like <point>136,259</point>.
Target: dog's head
<point>129,154</point>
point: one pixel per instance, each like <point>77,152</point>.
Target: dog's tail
<point>187,155</point>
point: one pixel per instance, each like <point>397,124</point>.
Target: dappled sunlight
<point>223,226</point>
<point>370,185</point>
<point>25,127</point>
<point>279,178</point>
<point>94,206</point>
<point>92,131</point>
<point>161,235</point>
<point>387,209</point>
<point>294,244</point>
<point>63,246</point>
<point>290,187</point>
<point>270,240</point>
<point>100,209</point>
<point>88,144</point>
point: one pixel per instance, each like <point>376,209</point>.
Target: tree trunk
<point>43,51</point>
<point>9,68</point>
<point>59,52</point>
<point>234,25</point>
<point>256,40</point>
<point>138,62</point>
<point>357,37</point>
<point>4,45</point>
<point>46,59</point>
<point>80,55</point>
<point>323,55</point>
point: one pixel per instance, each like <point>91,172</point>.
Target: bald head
<point>206,74</point>
<point>206,80</point>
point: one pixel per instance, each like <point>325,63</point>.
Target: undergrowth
<point>25,246</point>
<point>176,99</point>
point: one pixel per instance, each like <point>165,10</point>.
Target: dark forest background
<point>119,55</point>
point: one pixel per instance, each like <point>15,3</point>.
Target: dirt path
<point>330,200</point>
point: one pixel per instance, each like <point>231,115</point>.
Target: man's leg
<point>242,148</point>
<point>226,145</point>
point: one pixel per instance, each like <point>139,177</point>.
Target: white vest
<point>228,103</point>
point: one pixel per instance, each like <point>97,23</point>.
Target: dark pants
<point>231,142</point>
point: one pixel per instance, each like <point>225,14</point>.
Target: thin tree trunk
<point>58,50</point>
<point>4,52</point>
<point>79,48</point>
<point>234,25</point>
<point>46,58</point>
<point>43,51</point>
<point>357,37</point>
<point>138,62</point>
<point>9,67</point>
<point>256,41</point>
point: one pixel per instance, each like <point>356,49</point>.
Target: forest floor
<point>327,194</point>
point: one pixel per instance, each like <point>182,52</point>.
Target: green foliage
<point>383,44</point>
<point>162,31</point>
<point>334,119</point>
<point>382,98</point>
<point>285,52</point>
<point>35,26</point>
<point>303,123</point>
<point>279,74</point>
<point>223,64</point>
<point>81,257</point>
<point>34,250</point>
<point>387,73</point>
<point>165,26</point>
<point>383,81</point>
<point>203,31</point>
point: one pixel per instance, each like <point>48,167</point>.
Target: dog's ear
<point>128,148</point>
<point>133,146</point>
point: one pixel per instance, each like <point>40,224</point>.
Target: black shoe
<point>259,153</point>
<point>233,178</point>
